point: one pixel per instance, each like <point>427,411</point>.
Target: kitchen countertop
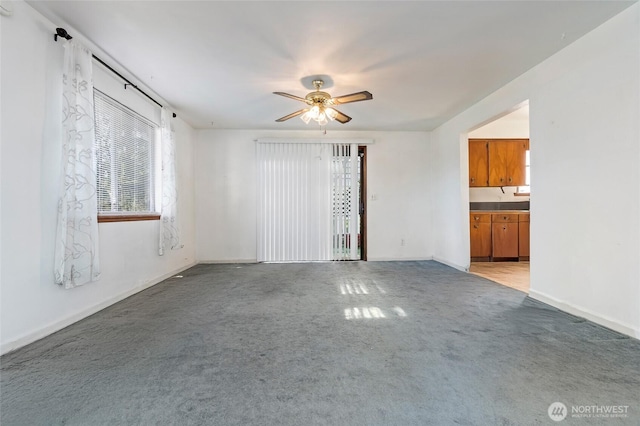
<point>499,205</point>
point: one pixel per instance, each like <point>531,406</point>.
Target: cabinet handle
<point>510,180</point>
<point>475,226</point>
<point>506,218</point>
<point>501,179</point>
<point>504,228</point>
<point>473,180</point>
<point>477,217</point>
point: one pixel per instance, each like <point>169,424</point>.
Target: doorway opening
<point>349,220</point>
<point>499,199</point>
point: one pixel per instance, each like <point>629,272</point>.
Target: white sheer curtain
<point>169,227</point>
<point>76,251</point>
<point>294,202</point>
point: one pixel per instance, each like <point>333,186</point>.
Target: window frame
<point>525,191</point>
<point>127,217</point>
<point>131,216</point>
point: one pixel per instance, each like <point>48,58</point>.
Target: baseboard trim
<point>397,259</point>
<point>452,265</point>
<point>227,261</point>
<point>34,336</point>
<point>585,313</point>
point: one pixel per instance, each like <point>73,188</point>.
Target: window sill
<point>102,218</point>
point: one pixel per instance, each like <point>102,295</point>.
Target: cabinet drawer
<point>523,217</point>
<point>480,217</point>
<point>504,217</point>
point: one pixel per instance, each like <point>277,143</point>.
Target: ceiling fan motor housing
<point>315,98</point>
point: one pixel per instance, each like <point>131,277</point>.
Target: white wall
<point>514,125</point>
<point>31,304</point>
<point>398,175</point>
<point>585,138</point>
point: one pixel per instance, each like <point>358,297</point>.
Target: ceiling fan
<point>320,105</point>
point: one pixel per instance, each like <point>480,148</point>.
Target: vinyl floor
<point>510,274</point>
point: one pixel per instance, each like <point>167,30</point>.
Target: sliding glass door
<point>308,201</point>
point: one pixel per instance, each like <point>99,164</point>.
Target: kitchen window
<point>526,190</point>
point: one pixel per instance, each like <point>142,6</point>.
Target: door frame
<point>362,153</point>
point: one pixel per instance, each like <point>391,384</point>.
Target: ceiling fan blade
<point>293,114</point>
<point>354,97</point>
<point>287,95</point>
<point>342,118</point>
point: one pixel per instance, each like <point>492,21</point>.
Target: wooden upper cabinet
<point>478,162</point>
<point>497,163</point>
<point>517,163</point>
<point>507,162</point>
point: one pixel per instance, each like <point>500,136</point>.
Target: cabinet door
<point>523,239</point>
<point>480,239</point>
<point>498,151</point>
<point>515,162</point>
<point>505,239</point>
<point>507,162</point>
<point>478,162</point>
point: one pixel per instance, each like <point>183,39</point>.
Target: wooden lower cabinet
<point>480,240</point>
<point>499,235</point>
<point>523,236</point>
<point>505,239</point>
<point>480,230</point>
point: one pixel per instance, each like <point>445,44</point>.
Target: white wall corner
<point>452,265</point>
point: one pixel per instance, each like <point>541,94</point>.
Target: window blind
<point>294,217</point>
<point>125,145</point>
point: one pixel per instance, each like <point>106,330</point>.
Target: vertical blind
<point>307,202</point>
<point>125,155</point>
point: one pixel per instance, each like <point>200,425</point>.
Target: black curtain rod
<point>61,32</point>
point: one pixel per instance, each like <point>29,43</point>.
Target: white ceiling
<point>424,61</point>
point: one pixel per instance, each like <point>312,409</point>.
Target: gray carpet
<point>388,343</point>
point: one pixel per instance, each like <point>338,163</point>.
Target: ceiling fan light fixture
<point>306,117</point>
<point>322,119</point>
<point>320,105</point>
<point>316,113</point>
